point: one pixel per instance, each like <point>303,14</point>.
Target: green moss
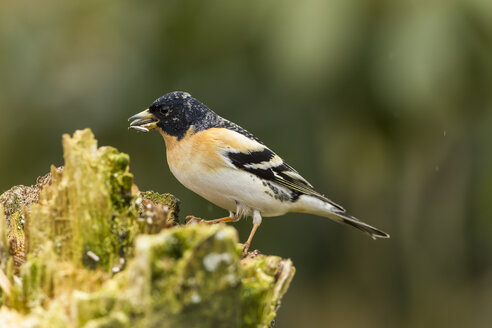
<point>266,279</point>
<point>88,209</point>
<point>156,211</point>
<point>192,276</point>
<point>166,199</point>
<point>89,307</point>
<point>16,203</point>
<point>102,254</point>
<point>183,273</point>
<point>120,180</point>
<point>113,320</point>
<point>12,201</point>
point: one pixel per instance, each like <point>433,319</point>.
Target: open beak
<point>143,121</point>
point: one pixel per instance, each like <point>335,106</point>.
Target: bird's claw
<point>190,219</point>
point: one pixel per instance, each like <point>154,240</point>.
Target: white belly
<point>228,187</point>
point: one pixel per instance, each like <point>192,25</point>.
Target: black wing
<point>267,165</point>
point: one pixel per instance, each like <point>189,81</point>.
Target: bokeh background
<point>385,106</point>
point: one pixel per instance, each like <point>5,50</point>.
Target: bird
<point>232,168</point>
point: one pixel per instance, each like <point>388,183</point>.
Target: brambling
<point>231,168</point>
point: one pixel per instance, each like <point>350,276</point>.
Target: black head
<point>177,111</point>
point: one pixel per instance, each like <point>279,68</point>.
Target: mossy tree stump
<point>84,247</point>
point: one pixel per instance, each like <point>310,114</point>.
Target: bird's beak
<point>143,121</point>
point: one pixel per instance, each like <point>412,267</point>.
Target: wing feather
<point>267,165</point>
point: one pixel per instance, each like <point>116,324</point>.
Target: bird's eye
<point>164,110</point>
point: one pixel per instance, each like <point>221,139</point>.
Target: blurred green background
<point>385,106</point>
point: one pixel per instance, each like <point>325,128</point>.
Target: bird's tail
<point>319,207</point>
<point>356,223</point>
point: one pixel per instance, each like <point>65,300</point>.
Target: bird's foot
<point>226,219</point>
<point>251,254</point>
<point>190,219</point>
<point>245,249</point>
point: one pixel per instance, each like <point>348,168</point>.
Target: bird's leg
<point>225,219</point>
<point>231,218</point>
<point>256,224</point>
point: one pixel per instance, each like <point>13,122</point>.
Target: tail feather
<point>310,204</point>
<point>341,217</point>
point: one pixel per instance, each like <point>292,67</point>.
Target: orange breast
<point>195,151</point>
<point>202,150</point>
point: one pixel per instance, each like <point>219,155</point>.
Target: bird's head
<point>174,113</point>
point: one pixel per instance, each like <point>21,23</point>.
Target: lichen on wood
<point>87,210</point>
<point>16,203</point>
<point>84,247</point>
